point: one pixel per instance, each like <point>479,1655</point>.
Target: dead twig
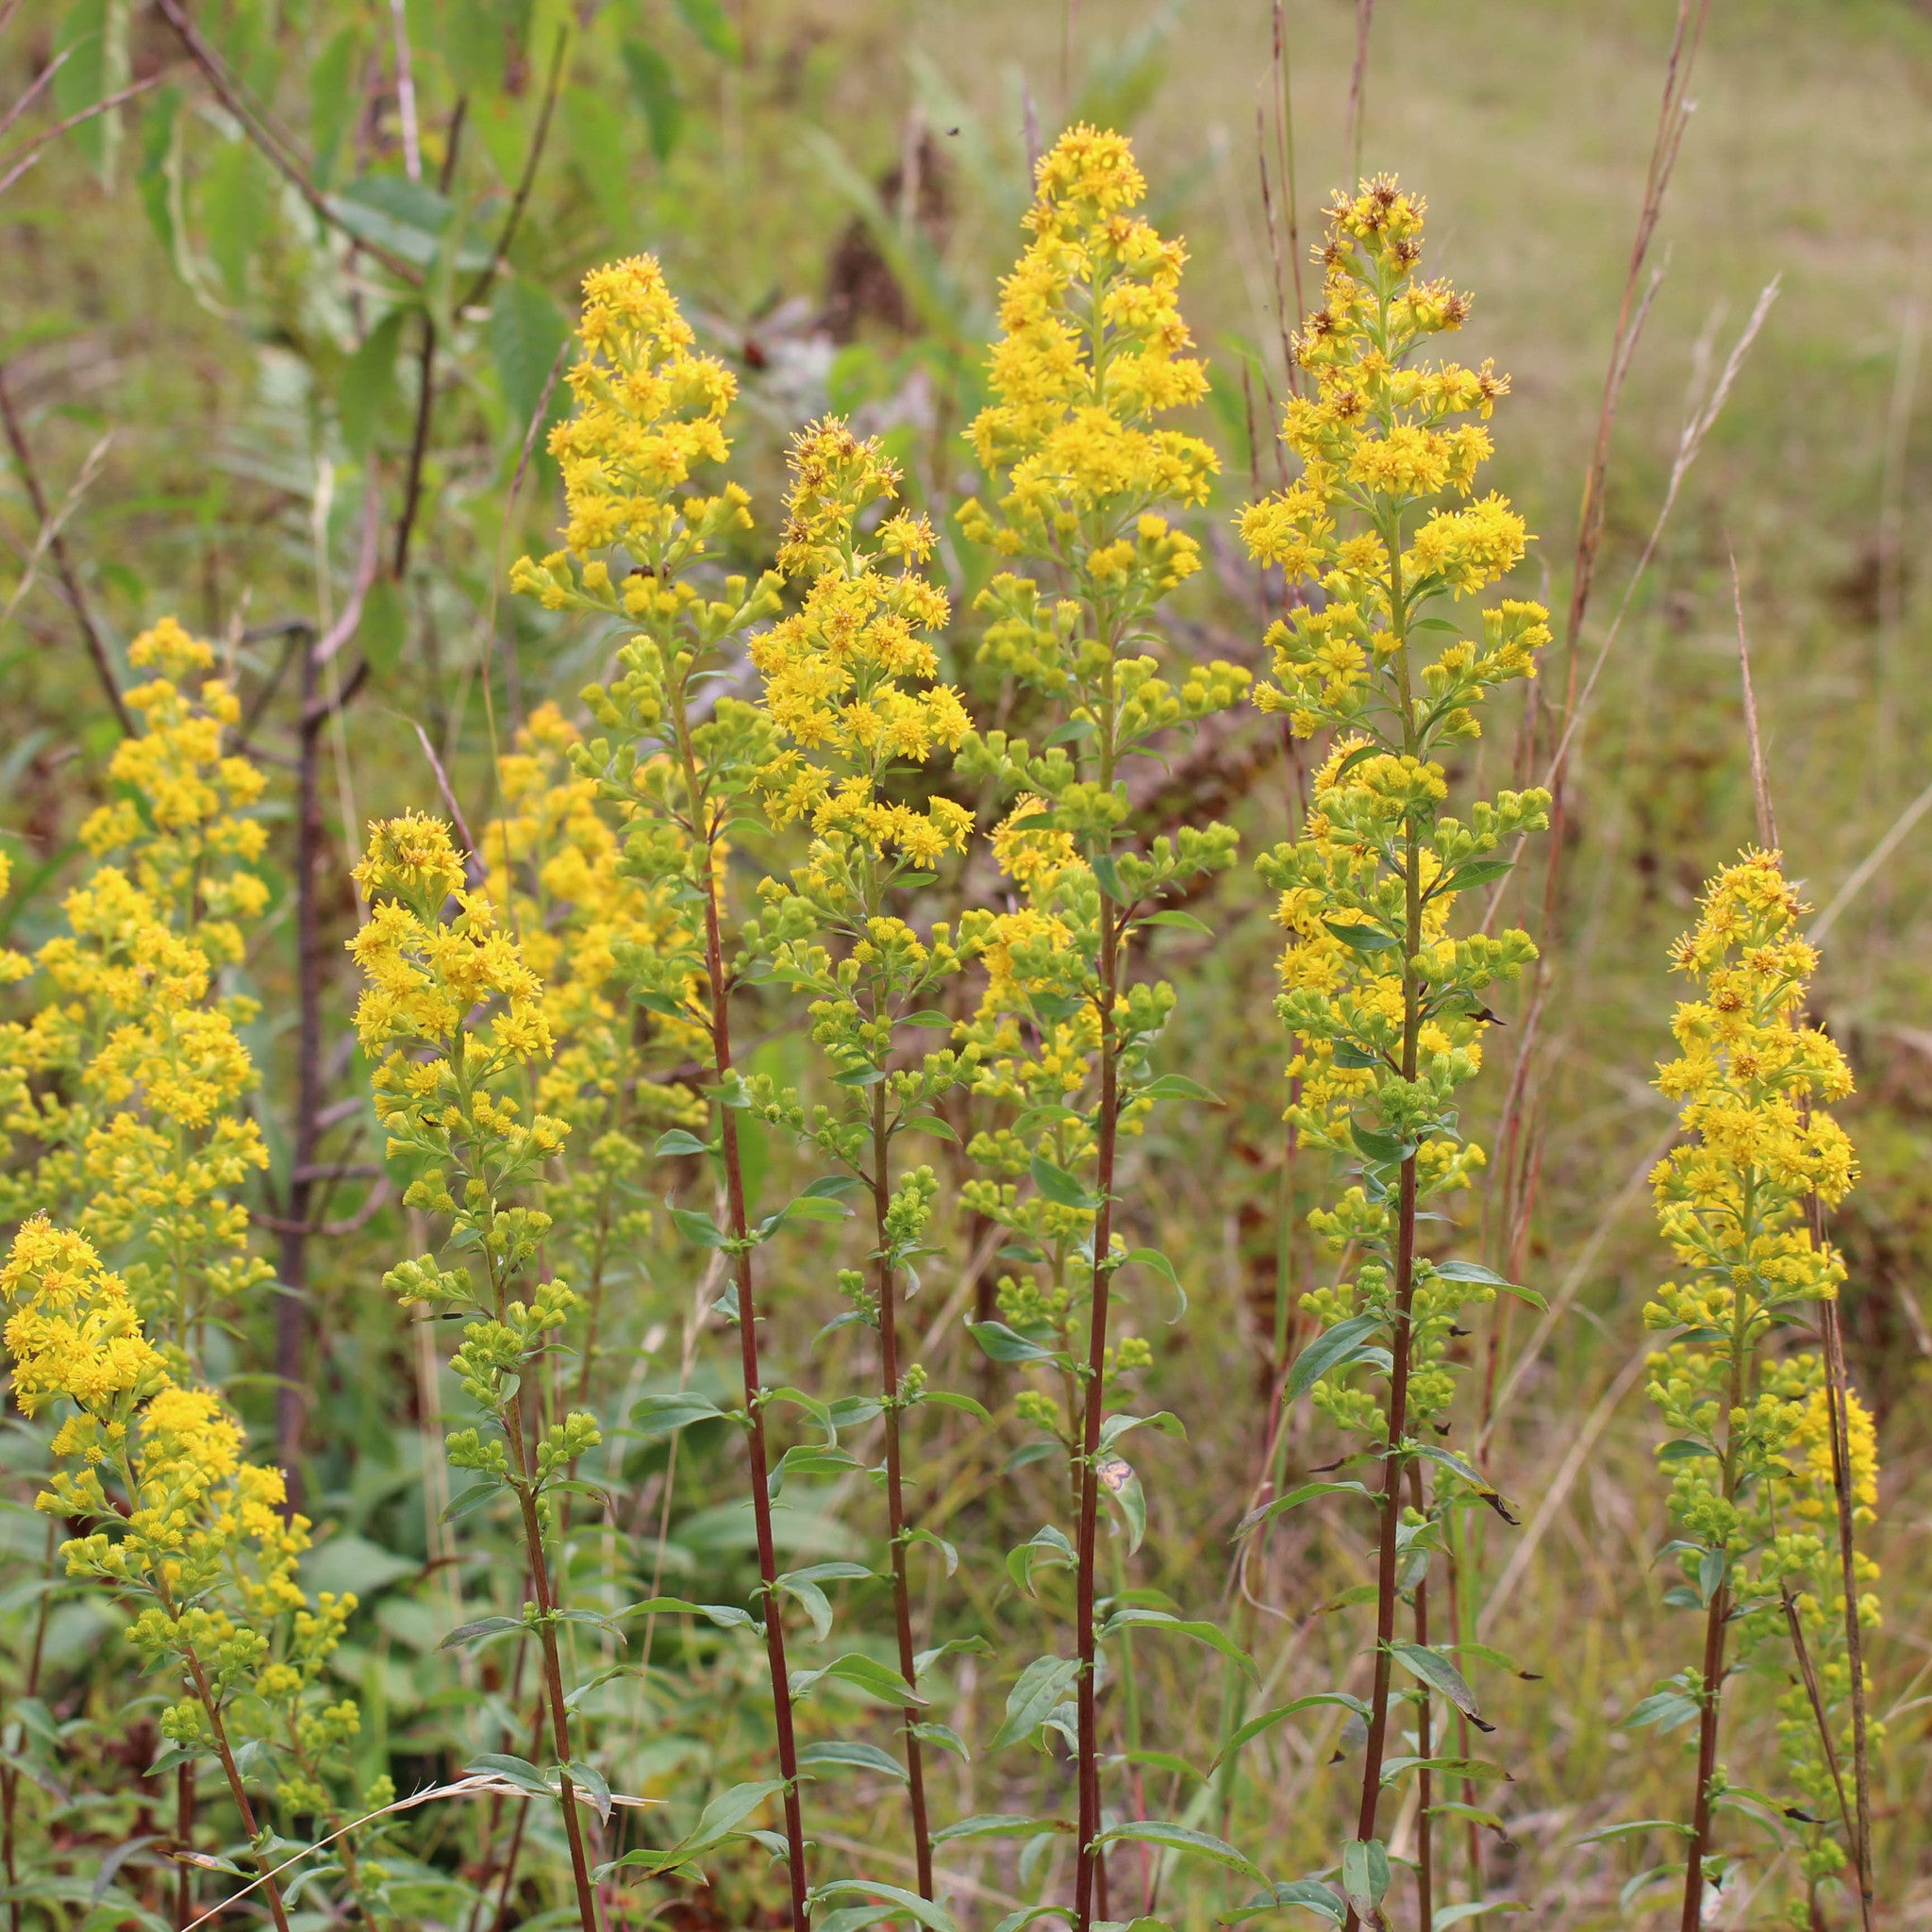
<point>56,546</point>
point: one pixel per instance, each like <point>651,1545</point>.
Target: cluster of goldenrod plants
<point>823,963</point>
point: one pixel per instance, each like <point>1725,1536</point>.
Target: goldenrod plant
<point>1381,540</point>
<point>129,1085</point>
<point>1737,1203</point>
<point>451,1017</point>
<point>850,689</point>
<point>681,763</point>
<point>1090,359</point>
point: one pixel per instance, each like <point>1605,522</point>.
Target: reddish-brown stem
<point>291,1312</point>
<point>1836,1385</point>
<point>1425,1864</point>
<point>1714,1627</point>
<point>525,1488</point>
<point>184,1840</point>
<point>1387,1594</point>
<point>755,1408</point>
<point>236,1789</point>
<point>895,1493</point>
<point>1089,1729</point>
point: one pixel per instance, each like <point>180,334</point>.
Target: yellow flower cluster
<point>1751,1083</point>
<point>1093,352</point>
<point>438,1085</point>
<point>130,1074</point>
<point>649,411</point>
<point>185,1525</point>
<point>182,819</point>
<point>1378,441</point>
<point>848,678</point>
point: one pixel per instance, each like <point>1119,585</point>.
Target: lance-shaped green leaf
<point>1310,1895</point>
<point>1202,1632</point>
<point>1180,1838</point>
<point>998,1824</point>
<point>1473,1769</point>
<point>1365,1876</point>
<point>1334,1349</point>
<point>1062,1188</point>
<point>719,1821</point>
<point>726,1616</point>
<point>1480,1483</point>
<point>1002,1345</point>
<point>945,1737</point>
<point>1487,1277</point>
<point>887,1902</point>
<point>1280,1505</point>
<point>519,1772</point>
<point>1042,1685</point>
<point>1267,1721</point>
<point>1153,1258</point>
<point>1445,1916</point>
<point>700,1229</point>
<point>1431,1668</point>
<point>664,1414</point>
<point>480,1630</point>
<point>863,1674</point>
<point>843,1755</point>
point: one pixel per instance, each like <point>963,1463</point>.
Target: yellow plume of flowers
<point>130,1073</point>
<point>427,977</point>
<point>183,828</point>
<point>1091,353</point>
<point>188,1529</point>
<point>1751,1085</point>
<point>847,677</point>
<point>649,411</point>
<point>1384,435</point>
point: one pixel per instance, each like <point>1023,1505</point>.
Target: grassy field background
<point>1528,123</point>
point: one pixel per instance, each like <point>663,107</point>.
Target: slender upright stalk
<point>292,1312</point>
<point>9,1775</point>
<point>705,830</point>
<point>1835,1387</point>
<point>526,1486</point>
<point>1717,1612</point>
<point>1425,1847</point>
<point>1387,1594</point>
<point>236,1789</point>
<point>895,1493</point>
<point>1084,1629</point>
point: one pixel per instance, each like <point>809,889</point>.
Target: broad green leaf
<point>712,27</point>
<point>946,1737</point>
<point>676,1140</point>
<point>480,1628</point>
<point>997,1825</point>
<point>1456,1915</point>
<point>1003,1345</point>
<point>1430,1667</point>
<point>1179,1838</point>
<point>1309,1894</point>
<point>1041,1685</point>
<point>367,391</point>
<point>1269,1718</point>
<point>1667,1710</point>
<point>1364,1875</point>
<point>526,329</point>
<point>1472,1770</point>
<point>835,1755</point>
<point>947,1398</point>
<point>1305,1493</point>
<point>1333,1349</point>
<point>1202,1632</point>
<point>665,1414</point>
<point>1057,1186</point>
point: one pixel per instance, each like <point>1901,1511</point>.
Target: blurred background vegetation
<point>278,335</point>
